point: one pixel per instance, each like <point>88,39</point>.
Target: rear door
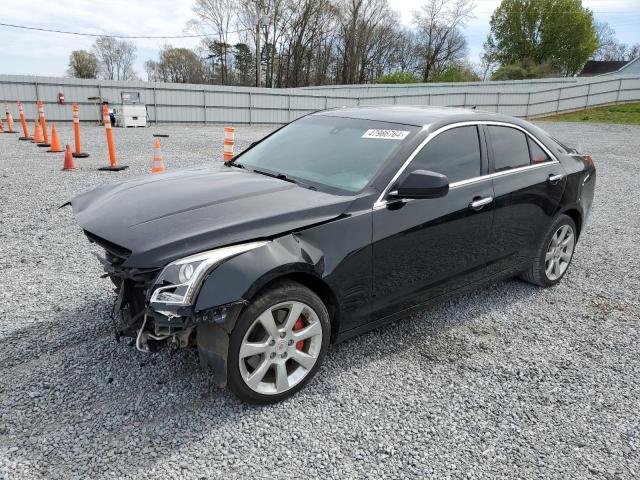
<point>424,248</point>
<point>528,184</point>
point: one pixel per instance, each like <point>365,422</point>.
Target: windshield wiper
<point>235,164</point>
<point>280,176</point>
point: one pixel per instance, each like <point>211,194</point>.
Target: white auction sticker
<point>386,134</point>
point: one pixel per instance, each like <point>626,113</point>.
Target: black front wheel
<point>278,343</point>
<point>554,254</point>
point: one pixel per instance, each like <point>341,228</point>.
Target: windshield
<point>342,153</point>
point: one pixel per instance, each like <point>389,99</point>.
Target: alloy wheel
<point>280,347</point>
<point>559,252</point>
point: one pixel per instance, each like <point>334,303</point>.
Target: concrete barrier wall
<point>184,103</point>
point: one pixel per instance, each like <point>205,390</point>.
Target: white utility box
<point>134,115</point>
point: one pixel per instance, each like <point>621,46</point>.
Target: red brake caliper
<point>299,325</point>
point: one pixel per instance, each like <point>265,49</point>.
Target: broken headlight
<point>179,281</point>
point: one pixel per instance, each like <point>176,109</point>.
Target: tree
<point>610,48</point>
<point>151,67</point>
<point>177,65</point>
<point>218,52</point>
<point>83,64</point>
<point>216,16</point>
<point>440,41</point>
<point>296,43</point>
<point>244,62</point>
<point>561,32</point>
<point>397,77</point>
<point>116,58</point>
<point>456,73</point>
<point>523,71</point>
<point>405,52</point>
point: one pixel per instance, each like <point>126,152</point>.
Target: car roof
<point>433,118</point>
<point>418,116</point>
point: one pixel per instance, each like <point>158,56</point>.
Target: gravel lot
<point>509,382</point>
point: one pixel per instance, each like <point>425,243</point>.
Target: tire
<point>259,377</point>
<point>538,273</point>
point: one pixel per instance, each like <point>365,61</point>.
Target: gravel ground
<point>511,381</point>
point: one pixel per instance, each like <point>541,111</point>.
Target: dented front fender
<point>227,289</point>
<point>242,276</point>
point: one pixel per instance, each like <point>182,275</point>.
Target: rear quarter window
<point>538,155</point>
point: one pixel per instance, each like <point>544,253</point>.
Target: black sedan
<point>337,223</point>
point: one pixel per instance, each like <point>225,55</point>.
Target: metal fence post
<point>526,113</point>
<point>619,90</point>
<point>586,103</point>
<point>558,100</point>
<point>250,109</point>
<point>498,104</point>
<point>155,106</point>
<point>98,108</point>
<point>464,103</point>
<point>204,104</point>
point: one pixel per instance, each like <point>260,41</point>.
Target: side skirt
<point>503,275</point>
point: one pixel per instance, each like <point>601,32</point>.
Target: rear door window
<point>454,153</point>
<point>510,148</point>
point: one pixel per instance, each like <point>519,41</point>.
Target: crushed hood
<point>163,217</point>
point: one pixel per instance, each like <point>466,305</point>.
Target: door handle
<point>554,179</point>
<point>480,202</point>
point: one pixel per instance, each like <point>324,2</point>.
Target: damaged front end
<point>132,316</point>
<point>156,306</point>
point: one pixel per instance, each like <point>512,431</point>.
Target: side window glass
<point>537,154</point>
<point>510,148</point>
<point>454,153</point>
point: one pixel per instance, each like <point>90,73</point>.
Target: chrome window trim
<point>381,202</point>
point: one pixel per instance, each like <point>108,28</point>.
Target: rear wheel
<point>278,343</point>
<point>554,254</point>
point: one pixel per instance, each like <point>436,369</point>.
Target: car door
<point>528,184</point>
<point>423,248</point>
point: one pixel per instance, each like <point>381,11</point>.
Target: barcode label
<point>386,134</point>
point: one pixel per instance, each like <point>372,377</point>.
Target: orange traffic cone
<point>229,142</point>
<point>55,140</point>
<point>10,124</point>
<point>37,133</point>
<point>157,166</point>
<point>68,159</point>
<point>1,127</point>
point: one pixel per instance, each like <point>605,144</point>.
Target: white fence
<point>170,102</point>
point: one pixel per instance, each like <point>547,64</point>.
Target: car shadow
<point>446,332</point>
<point>92,395</point>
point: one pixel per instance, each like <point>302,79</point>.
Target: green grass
<point>627,114</point>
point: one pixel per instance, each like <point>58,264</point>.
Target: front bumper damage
<point>167,326</point>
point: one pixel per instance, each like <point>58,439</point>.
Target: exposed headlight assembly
<point>179,281</point>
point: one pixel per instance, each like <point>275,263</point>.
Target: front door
<point>425,248</point>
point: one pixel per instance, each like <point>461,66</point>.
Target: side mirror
<point>423,184</point>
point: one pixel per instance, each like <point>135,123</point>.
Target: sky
<point>24,52</point>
